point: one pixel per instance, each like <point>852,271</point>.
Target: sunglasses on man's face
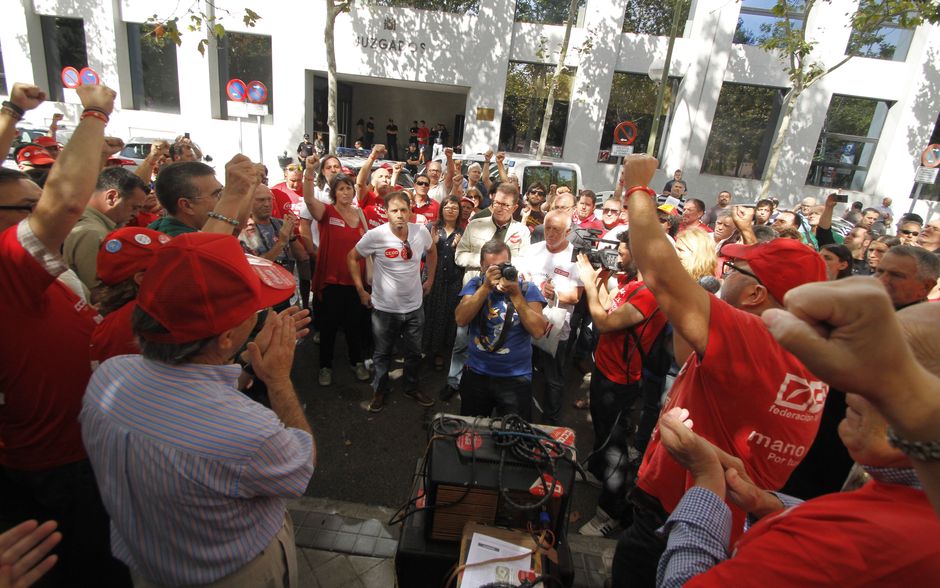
<point>537,192</point>
<point>912,233</point>
<point>20,207</point>
<point>422,183</point>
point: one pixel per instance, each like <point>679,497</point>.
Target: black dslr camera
<point>585,241</point>
<point>508,271</point>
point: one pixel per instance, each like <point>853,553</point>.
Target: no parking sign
<point>257,92</point>
<point>70,77</point>
<point>89,77</point>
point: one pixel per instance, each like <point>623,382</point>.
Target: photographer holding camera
<point>503,316</point>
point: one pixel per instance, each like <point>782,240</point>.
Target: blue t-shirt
<point>514,357</point>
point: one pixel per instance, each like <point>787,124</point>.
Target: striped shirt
<point>193,473</point>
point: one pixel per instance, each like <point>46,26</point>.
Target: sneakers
<point>602,525</point>
<point>325,376</point>
<point>447,392</point>
<point>377,403</point>
<point>362,374</point>
<point>419,397</point>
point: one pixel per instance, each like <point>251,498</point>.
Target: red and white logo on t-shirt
<point>800,399</point>
<point>391,253</point>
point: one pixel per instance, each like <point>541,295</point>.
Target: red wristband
<point>94,114</point>
<point>646,189</point>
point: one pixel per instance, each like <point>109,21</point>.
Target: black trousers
<point>69,495</point>
<point>639,547</point>
<point>481,395</point>
<point>340,306</point>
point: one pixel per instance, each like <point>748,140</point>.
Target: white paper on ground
<point>483,548</point>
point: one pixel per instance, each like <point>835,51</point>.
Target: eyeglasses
<point>913,233</point>
<point>21,207</point>
<point>422,183</point>
<point>537,192</point>
<point>406,252</point>
<point>498,204</point>
<point>610,211</point>
<point>728,267</point>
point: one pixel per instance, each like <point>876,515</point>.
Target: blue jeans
<point>387,328</point>
<point>459,357</point>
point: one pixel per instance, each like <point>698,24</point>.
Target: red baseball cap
<point>46,141</point>
<point>202,284</point>
<point>126,251</point>
<point>781,264</point>
<point>34,155</point>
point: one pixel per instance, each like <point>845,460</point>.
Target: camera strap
<point>507,323</point>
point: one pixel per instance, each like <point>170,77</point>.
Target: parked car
<point>355,164</point>
<point>528,170</point>
<point>137,148</point>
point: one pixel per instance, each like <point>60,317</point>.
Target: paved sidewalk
<point>342,544</point>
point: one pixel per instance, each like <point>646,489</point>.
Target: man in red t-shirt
<point>423,205</point>
<point>883,533</point>
<point>746,394</point>
<point>692,214</point>
<point>584,217</point>
<point>616,380</point>
<point>289,194</point>
<point>44,470</point>
<point>371,188</point>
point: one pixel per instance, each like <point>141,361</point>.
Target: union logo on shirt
<point>799,399</point>
<point>515,238</point>
<point>391,253</point>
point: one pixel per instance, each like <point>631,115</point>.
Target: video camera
<point>585,241</point>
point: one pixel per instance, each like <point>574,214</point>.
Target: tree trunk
<point>553,84</point>
<point>332,11</point>
<point>664,81</point>
<point>774,156</point>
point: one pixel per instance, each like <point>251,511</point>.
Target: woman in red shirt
<point>341,226</point>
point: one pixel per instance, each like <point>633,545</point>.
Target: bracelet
<point>95,109</point>
<point>646,189</point>
<point>223,218</point>
<point>919,450</point>
<point>11,113</point>
<point>14,108</point>
<point>94,114</point>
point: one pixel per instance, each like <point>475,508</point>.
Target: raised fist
<point>99,97</point>
<point>28,96</point>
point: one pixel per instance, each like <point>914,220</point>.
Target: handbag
<point>557,318</point>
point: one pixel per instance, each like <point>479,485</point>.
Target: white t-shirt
<point>438,192</point>
<point>396,282</point>
<point>539,265</point>
<point>324,197</point>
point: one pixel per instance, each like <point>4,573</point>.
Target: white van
<point>528,170</point>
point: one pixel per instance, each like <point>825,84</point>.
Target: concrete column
<point>492,25</point>
<point>590,93</point>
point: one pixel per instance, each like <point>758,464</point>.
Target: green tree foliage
<point>456,6</point>
<point>202,16</point>
<point>551,12</point>
<point>524,105</point>
<point>652,17</point>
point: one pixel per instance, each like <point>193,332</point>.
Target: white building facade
<point>453,68</point>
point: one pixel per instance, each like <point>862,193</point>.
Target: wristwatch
<point>919,450</point>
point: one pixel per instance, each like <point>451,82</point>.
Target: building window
<point>929,191</point>
<point>154,77</point>
<point>547,13</point>
<point>633,98</point>
<point>3,76</point>
<point>524,108</point>
<point>890,42</point>
<point>63,42</point>
<point>762,19</point>
<point>455,6</point>
<point>649,17</point>
<point>742,131</point>
<point>847,142</point>
<point>247,58</point>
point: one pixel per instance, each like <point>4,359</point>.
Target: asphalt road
<point>370,458</point>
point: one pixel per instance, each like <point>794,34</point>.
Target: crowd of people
<point>730,356</point>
